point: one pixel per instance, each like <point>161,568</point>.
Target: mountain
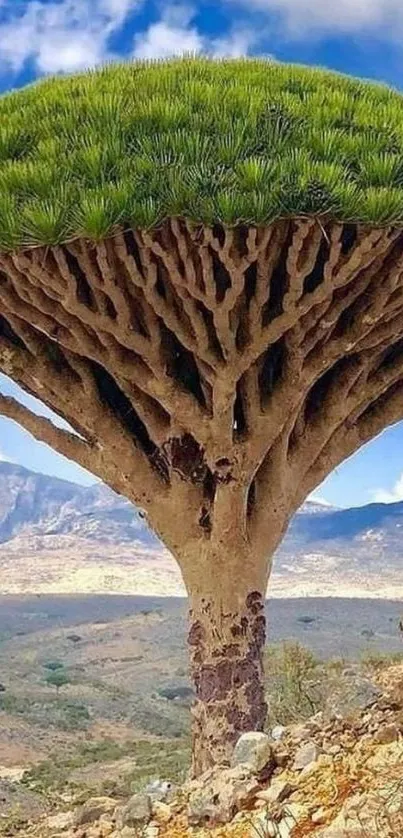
<point>59,537</point>
<point>37,504</point>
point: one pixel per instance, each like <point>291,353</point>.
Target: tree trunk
<point>226,640</point>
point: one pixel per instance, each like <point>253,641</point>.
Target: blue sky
<point>361,37</point>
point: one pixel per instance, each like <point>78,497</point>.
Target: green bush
<point>57,679</point>
<point>53,666</point>
<point>294,682</point>
<point>161,759</point>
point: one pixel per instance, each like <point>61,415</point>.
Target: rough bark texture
<point>224,372</point>
<point>227,669</point>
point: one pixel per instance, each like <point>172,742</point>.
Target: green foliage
<point>53,665</point>
<point>232,141</point>
<point>295,683</point>
<point>161,759</point>
<point>58,678</point>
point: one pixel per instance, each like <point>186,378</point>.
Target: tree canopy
<point>231,141</point>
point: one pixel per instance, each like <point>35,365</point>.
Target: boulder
<point>136,811</point>
<point>217,796</point>
<point>352,696</point>
<point>92,810</point>
<point>253,749</point>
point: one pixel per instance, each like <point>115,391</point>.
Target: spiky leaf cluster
<point>233,141</point>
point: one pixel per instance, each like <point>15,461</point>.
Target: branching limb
<point>44,430</point>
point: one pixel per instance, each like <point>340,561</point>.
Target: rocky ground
<point>337,775</point>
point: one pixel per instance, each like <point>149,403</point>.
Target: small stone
<point>151,831</point>
<point>333,750</point>
<point>320,815</point>
<point>305,755</point>
<point>253,749</point>
<point>300,733</point>
<point>93,809</point>
<point>276,793</point>
<point>387,734</point>
<point>278,732</point>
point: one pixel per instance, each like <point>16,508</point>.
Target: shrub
<point>57,679</point>
<point>295,683</point>
<point>53,665</point>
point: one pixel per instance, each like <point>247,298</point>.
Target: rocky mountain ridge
<point>57,536</point>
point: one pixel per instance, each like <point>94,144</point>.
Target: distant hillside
<point>57,537</point>
<point>37,504</point>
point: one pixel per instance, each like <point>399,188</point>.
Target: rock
<point>376,813</point>
<point>253,749</point>
<point>63,820</point>
<point>387,734</point>
<point>161,811</point>
<point>333,750</point>
<point>136,811</point>
<point>352,696</point>
<point>320,815</point>
<point>278,732</point>
<point>93,809</point>
<point>151,831</point>
<point>300,733</point>
<point>276,792</point>
<point>217,796</point>
<point>305,755</point>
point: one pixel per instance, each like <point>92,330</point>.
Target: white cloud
<point>174,34</point>
<point>393,496</point>
<point>61,36</point>
<point>304,17</point>
<point>319,500</point>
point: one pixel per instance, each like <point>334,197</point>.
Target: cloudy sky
<point>361,37</point>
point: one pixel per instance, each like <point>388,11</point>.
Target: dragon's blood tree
<point>201,271</point>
